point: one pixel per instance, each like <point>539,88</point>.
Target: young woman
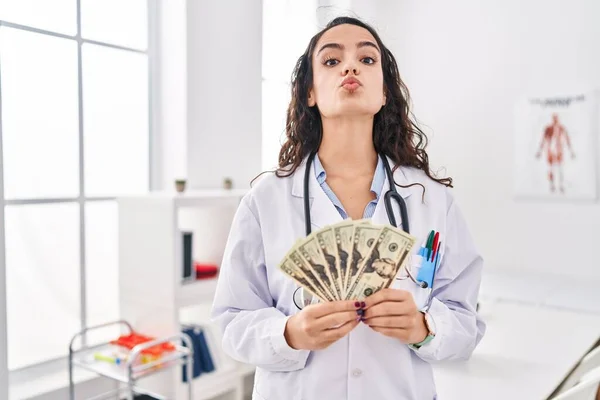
<point>348,120</point>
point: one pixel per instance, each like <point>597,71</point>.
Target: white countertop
<point>526,352</point>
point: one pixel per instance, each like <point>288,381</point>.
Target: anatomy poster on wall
<point>555,147</point>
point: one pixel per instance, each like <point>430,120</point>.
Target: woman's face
<point>347,73</point>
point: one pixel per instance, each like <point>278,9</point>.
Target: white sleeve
<point>455,293</point>
<point>253,329</point>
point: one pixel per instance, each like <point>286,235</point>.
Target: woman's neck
<point>347,147</point>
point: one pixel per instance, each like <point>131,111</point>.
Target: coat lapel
<point>322,210</point>
<point>380,215</point>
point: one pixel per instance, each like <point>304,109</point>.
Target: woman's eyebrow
<point>331,46</point>
<point>365,43</point>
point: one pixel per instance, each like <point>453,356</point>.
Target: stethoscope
<point>391,194</point>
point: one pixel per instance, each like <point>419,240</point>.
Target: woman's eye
<point>368,60</point>
<point>331,62</point>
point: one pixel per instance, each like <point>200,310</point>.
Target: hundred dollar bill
<point>292,266</point>
<point>363,240</point>
<point>379,269</point>
<point>310,251</point>
<point>326,241</point>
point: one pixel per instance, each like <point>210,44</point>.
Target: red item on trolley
<point>133,339</point>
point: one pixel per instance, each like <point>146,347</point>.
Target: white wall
<point>209,77</point>
<point>466,63</point>
<point>224,41</point>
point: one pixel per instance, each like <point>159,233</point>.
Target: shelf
<point>208,198</point>
<point>192,292</point>
<point>192,198</point>
<point>153,294</point>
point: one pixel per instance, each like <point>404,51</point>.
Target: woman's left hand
<point>394,313</point>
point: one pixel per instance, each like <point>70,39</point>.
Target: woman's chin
<point>356,108</point>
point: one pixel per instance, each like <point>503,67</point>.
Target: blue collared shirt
<point>376,188</point>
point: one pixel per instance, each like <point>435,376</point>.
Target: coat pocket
<point>404,282</point>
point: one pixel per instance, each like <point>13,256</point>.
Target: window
<point>288,26</point>
<point>75,133</point>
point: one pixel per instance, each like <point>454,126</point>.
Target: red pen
<point>435,245</point>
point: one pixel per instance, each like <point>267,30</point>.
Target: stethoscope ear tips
<point>423,285</point>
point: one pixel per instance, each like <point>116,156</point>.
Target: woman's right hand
<point>319,325</point>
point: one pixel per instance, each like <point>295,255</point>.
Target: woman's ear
<point>311,98</point>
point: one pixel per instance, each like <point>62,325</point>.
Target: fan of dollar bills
<point>347,261</point>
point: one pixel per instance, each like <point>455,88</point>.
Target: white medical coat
<point>254,298</point>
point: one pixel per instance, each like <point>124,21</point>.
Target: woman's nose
<point>351,67</point>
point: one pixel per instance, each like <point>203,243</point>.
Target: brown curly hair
<point>394,133</point>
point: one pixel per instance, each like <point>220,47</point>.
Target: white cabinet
<point>154,296</point>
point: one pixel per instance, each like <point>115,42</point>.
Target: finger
<point>323,309</point>
<point>402,334</point>
<point>334,320</point>
<point>386,295</point>
<point>331,335</point>
<point>389,308</point>
<point>401,322</point>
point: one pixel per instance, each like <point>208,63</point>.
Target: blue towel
<point>202,360</point>
<point>206,361</point>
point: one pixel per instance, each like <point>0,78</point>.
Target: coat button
<point>356,372</point>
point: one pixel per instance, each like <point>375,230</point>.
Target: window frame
<point>24,374</point>
<point>3,309</point>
